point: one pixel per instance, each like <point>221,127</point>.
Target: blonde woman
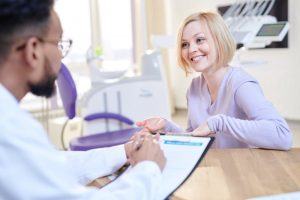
<point>224,101</point>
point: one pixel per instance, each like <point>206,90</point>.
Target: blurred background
<point>123,59</point>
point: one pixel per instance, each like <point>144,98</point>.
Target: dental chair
<point>68,93</point>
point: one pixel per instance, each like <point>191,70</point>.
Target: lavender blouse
<point>241,116</point>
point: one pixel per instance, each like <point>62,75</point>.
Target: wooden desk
<point>242,173</point>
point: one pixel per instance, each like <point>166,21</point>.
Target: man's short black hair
<point>21,18</point>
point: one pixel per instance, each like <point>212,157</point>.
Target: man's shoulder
<point>19,125</point>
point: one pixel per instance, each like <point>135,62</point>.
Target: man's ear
<point>33,52</point>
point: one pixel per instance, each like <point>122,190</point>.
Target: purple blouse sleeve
<point>265,128</point>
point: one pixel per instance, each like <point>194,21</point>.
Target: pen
<point>138,143</point>
<point>122,169</point>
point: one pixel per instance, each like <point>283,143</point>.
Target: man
<point>30,167</point>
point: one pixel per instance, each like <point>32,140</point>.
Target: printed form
<point>183,154</point>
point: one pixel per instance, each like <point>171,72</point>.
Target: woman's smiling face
<point>198,49</point>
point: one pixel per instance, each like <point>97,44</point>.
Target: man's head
<point>30,32</point>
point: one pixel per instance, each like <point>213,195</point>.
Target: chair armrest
<point>107,115</point>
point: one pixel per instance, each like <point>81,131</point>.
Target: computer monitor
<point>272,32</point>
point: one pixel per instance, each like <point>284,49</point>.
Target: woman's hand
<point>154,124</point>
<point>202,130</point>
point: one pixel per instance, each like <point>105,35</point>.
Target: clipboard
<point>183,153</point>
<point>183,144</point>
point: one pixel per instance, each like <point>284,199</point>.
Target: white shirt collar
<point>7,97</point>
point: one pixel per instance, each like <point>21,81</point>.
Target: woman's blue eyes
<point>199,40</point>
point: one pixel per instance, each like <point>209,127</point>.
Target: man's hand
<point>134,140</point>
<point>146,147</point>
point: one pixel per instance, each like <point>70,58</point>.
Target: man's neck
<point>13,83</point>
<point>16,91</point>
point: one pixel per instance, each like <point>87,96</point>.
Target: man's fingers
<point>157,136</point>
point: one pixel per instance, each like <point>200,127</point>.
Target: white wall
<point>278,75</point>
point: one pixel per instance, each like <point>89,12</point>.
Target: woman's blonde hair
<point>224,42</point>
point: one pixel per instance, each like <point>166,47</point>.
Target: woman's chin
<point>200,68</point>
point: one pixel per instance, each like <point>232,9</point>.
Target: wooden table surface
<point>242,173</point>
